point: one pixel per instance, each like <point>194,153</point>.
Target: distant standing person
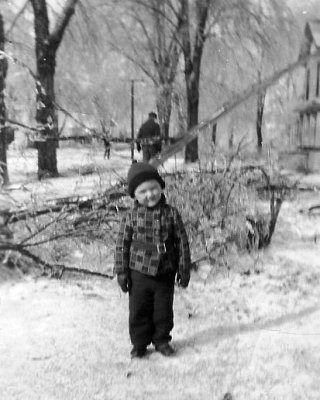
<point>107,147</point>
<point>149,138</point>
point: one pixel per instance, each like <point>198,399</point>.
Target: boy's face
<point>148,193</point>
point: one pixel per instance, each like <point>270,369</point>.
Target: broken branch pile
<point>218,216</point>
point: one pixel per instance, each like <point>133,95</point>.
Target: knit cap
<point>140,172</point>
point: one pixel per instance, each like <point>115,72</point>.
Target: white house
<point>308,121</point>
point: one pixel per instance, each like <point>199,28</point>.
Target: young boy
<point>151,250</point>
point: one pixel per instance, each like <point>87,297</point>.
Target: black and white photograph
<point>159,199</point>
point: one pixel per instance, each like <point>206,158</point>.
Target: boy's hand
<point>123,282</point>
<point>183,280</point>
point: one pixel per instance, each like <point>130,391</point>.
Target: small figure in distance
<point>107,147</point>
<point>106,140</point>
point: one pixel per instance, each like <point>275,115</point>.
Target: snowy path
<point>255,336</point>
<point>68,340</point>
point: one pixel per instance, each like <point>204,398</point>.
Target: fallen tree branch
<point>56,270</point>
<point>70,204</point>
<point>41,229</point>
<point>26,214</point>
<point>86,272</point>
<point>311,209</point>
<point>314,208</point>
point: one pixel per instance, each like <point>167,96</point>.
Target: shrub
<point>222,209</point>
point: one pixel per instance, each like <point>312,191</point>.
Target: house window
<point>308,84</point>
<point>318,80</point>
<point>314,127</point>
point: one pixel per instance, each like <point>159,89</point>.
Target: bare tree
<point>152,30</point>
<point>272,53</point>
<point>170,33</point>
<point>167,54</point>
<point>47,44</point>
<point>3,73</point>
<point>246,25</point>
<point>192,59</point>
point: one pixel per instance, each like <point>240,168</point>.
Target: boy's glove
<point>138,147</point>
<point>183,279</point>
<point>123,282</point>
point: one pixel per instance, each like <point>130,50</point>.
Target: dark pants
<point>149,151</point>
<point>150,309</point>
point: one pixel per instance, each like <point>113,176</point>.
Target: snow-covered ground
<point>253,335</point>
<point>82,170</point>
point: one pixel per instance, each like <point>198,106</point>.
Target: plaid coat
<point>160,224</point>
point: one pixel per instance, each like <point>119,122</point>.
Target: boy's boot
<point>138,352</point>
<point>165,349</point>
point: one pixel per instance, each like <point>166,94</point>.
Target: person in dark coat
<point>106,141</point>
<point>149,138</point>
<point>107,147</point>
<point>152,251</point>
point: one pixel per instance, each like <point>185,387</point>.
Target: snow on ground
<point>82,170</point>
<point>74,166</point>
<point>255,336</point>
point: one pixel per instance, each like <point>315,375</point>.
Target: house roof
<point>311,35</point>
<point>314,27</point>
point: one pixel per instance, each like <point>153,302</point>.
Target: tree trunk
<point>164,107</point>
<point>46,49</point>
<point>260,109</point>
<point>47,121</point>
<point>45,115</point>
<point>166,58</point>
<point>3,142</point>
<point>181,113</point>
<point>192,51</point>
<point>191,152</point>
<point>192,75</point>
<point>231,138</point>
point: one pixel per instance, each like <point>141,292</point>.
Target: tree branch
<point>56,270</point>
<point>17,17</point>
<point>151,45</point>
<point>61,23</point>
<point>14,122</point>
<point>41,229</point>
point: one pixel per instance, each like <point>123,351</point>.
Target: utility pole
<point>132,115</point>
<point>132,119</point>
